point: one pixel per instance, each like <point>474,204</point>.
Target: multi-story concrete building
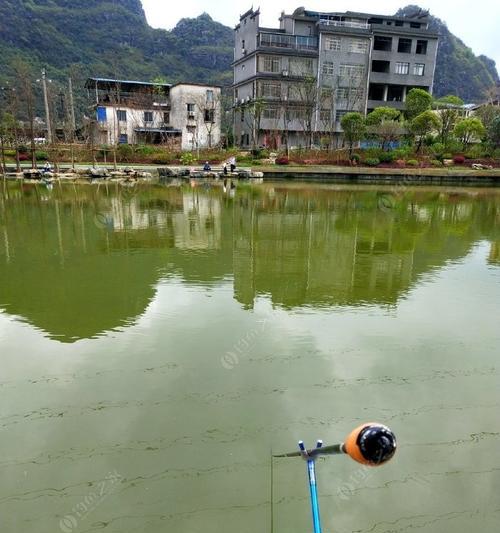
<point>293,84</point>
<point>185,115</point>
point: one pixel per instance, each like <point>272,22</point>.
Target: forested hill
<point>111,38</point>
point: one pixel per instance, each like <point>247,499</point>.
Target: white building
<point>185,116</point>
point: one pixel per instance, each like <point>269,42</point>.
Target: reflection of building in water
<point>195,221</point>
<point>198,225</point>
<point>318,258</point>
<point>494,256</point>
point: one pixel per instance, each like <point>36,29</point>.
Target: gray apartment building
<point>293,84</point>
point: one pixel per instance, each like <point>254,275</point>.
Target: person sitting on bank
<point>207,167</point>
<point>224,169</point>
<point>47,169</point>
<point>232,163</point>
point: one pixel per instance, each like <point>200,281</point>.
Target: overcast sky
<point>477,22</point>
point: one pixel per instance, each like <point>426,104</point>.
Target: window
<point>416,25</point>
<point>190,111</point>
<point>358,46</point>
<point>381,66</point>
<point>123,138</point>
<point>325,115</point>
<point>296,114</point>
<point>332,44</point>
<point>421,47</point>
<point>242,117</point>
<point>419,69</point>
<point>345,93</point>
<point>270,64</point>
<point>339,114</point>
<point>328,68</point>
<point>301,67</point>
<point>101,114</point>
<point>121,115</point>
<point>210,96</point>
<point>326,93</point>
<point>243,45</point>
<point>270,90</point>
<point>404,46</point>
<point>402,68</point>
<point>351,71</point>
<point>148,116</point>
<point>271,113</point>
<point>209,115</point>
<point>382,43</point>
<point>191,129</point>
<point>398,23</point>
<point>166,117</point>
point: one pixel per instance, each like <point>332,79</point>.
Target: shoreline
<point>323,173</point>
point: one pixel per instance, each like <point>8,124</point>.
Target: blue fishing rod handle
<point>314,496</point>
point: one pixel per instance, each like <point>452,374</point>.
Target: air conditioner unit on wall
<point>285,73</point>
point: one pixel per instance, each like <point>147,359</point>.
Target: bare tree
<point>26,99</point>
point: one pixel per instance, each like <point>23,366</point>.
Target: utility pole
<point>47,109</point>
<point>71,107</point>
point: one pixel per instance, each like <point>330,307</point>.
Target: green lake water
<point>156,343</point>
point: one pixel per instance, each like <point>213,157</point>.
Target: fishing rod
<point>371,444</point>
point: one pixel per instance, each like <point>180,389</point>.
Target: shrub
<point>412,163</point>
<point>386,157</point>
<point>372,161</point>
<point>23,149</point>
<point>355,157</point>
<point>144,149</point>
<point>401,163</point>
<point>402,153</point>
<point>447,155</point>
<point>372,153</point>
<point>164,158</point>
<point>187,158</point>
<point>459,160</point>
<point>436,163</point>
<point>9,153</point>
<point>283,160</point>
<point>41,156</point>
<point>438,148</point>
<point>125,152</point>
<point>477,152</point>
<point>24,157</point>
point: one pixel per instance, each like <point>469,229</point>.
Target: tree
<point>423,124</point>
<point>354,127</point>
<point>26,100</point>
<point>382,114</point>
<point>450,110</point>
<point>469,129</point>
<point>493,131</point>
<point>417,101</point>
<point>489,115</point>
<point>383,124</point>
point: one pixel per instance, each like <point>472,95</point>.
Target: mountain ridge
<point>112,38</point>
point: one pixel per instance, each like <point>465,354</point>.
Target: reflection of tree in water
<point>81,261</point>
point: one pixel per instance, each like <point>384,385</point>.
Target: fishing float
<point>371,444</point>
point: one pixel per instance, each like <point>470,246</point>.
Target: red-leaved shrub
<point>459,160</point>
<point>282,160</point>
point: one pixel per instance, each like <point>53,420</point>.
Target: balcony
<point>290,42</point>
<point>345,24</point>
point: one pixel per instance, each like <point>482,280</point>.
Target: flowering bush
<point>282,160</point>
<point>459,160</point>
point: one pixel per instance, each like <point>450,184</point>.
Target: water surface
<point>156,343</point>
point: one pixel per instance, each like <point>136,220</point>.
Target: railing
<point>345,24</point>
<point>294,42</point>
